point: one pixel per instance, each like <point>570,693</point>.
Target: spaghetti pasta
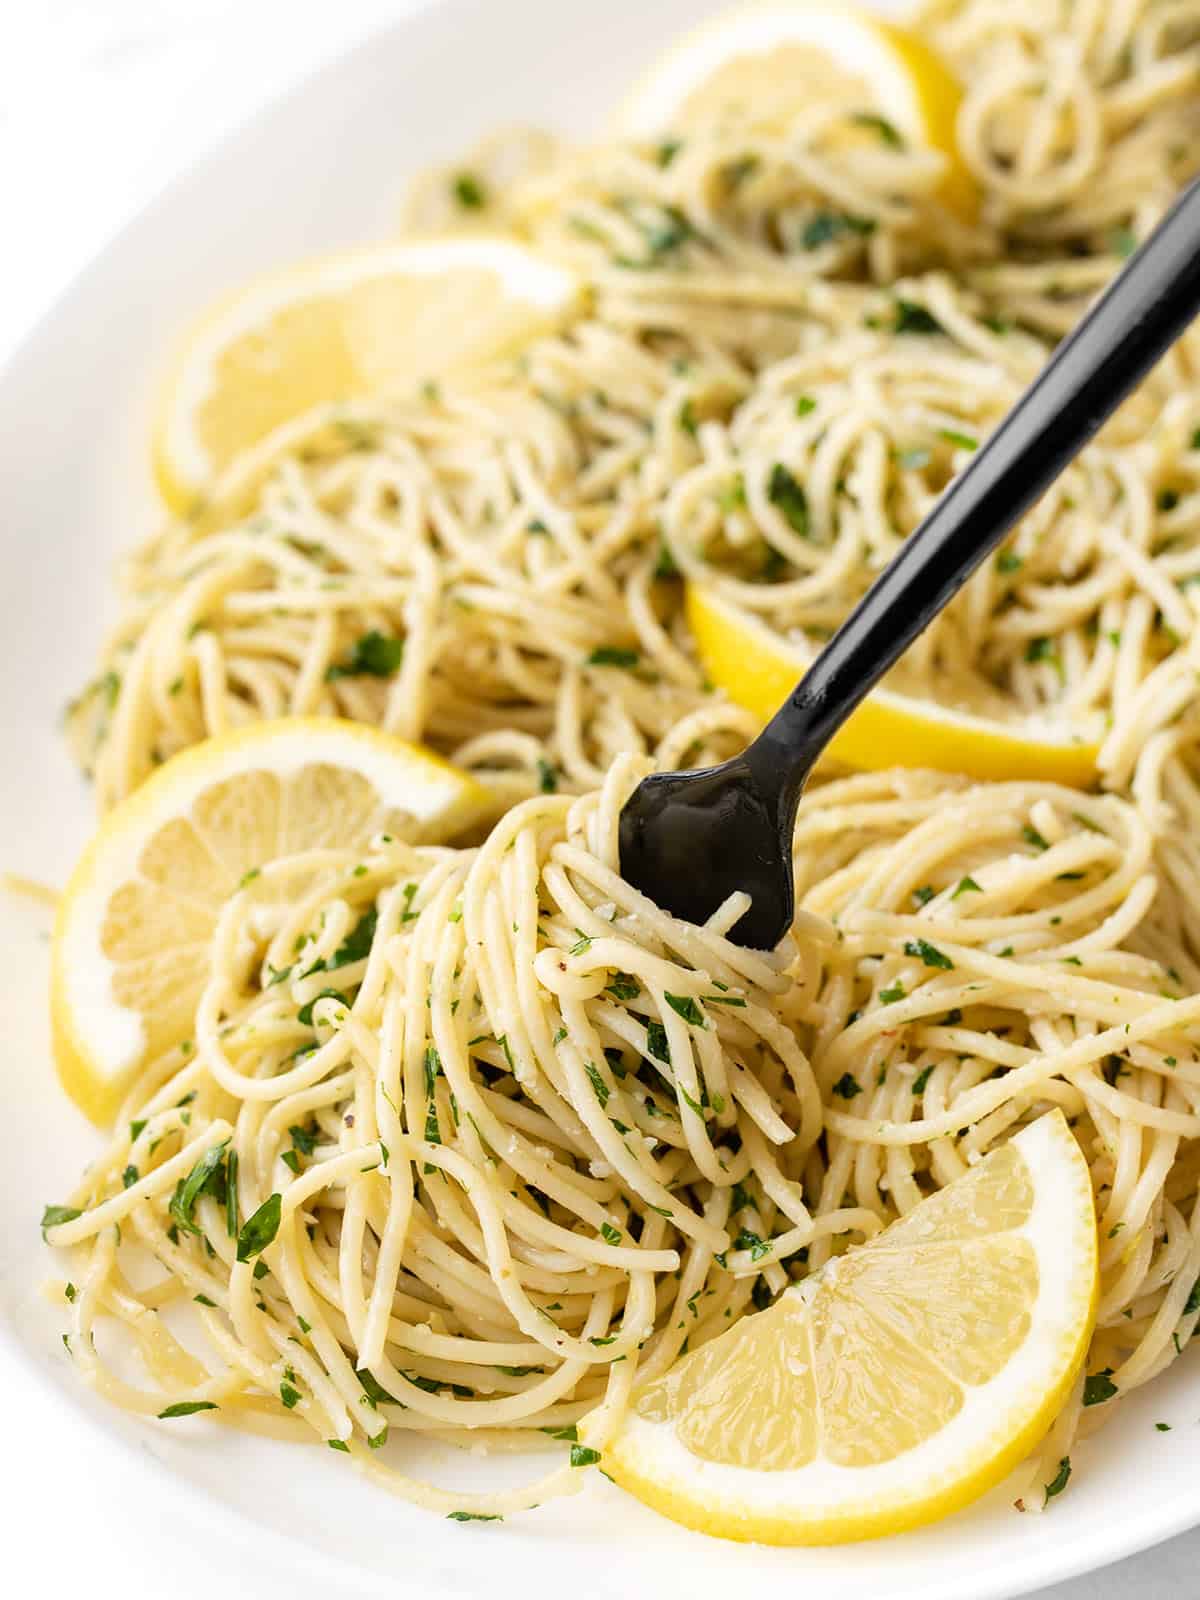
<point>791,348</point>
<point>535,1136</point>
<point>501,1153</point>
<point>463,1143</point>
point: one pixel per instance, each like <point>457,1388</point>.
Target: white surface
<point>101,101</point>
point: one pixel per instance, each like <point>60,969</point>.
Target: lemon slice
<point>758,669</point>
<point>387,317</point>
<point>131,940</point>
<point>767,59</point>
<point>899,1382</point>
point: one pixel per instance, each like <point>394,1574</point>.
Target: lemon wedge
<point>130,947</point>
<point>899,1382</point>
<point>388,317</point>
<point>758,669</point>
<point>767,58</point>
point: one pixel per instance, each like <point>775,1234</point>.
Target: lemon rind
<point>81,974</point>
<point>822,1503</point>
<point>922,94</point>
<point>181,464</point>
<point>888,729</point>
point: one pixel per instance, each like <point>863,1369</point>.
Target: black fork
<point>690,839</point>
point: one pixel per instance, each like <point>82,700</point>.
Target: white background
<point>101,101</point>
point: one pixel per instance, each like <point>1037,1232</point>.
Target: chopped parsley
<point>356,946</point>
<point>1098,1387</point>
<point>1031,836</point>
<point>231,1200</point>
<point>202,1178</point>
<point>374,1390</point>
<point>52,1216</point>
<point>964,441</point>
<point>656,1042</point>
<point>570,1433</point>
<point>1009,561</point>
<point>824,227</point>
<point>890,995</point>
<point>305,1014</point>
<point>929,954</point>
<point>847,1086</point>
<point>473,1516</point>
<point>666,566</point>
<point>909,317</point>
<point>921,1079</point>
<point>186,1408</point>
<point>470,192</point>
<point>305,1139</point>
<point>1059,1481</point>
<point>663,232</point>
<point>598,1084</point>
<point>886,130</point>
<point>1122,242</point>
<point>683,1005</point>
<point>966,886</point>
<point>259,1230</point>
<point>785,493</point>
<point>755,1243</point>
<point>610,1234</point>
<point>583,1455</point>
<point>374,655</point>
<point>612,656</point>
<point>1044,650</point>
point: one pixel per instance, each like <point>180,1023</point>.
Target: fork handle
<point>1138,317</point>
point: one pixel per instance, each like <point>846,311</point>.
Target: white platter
<point>321,168</point>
